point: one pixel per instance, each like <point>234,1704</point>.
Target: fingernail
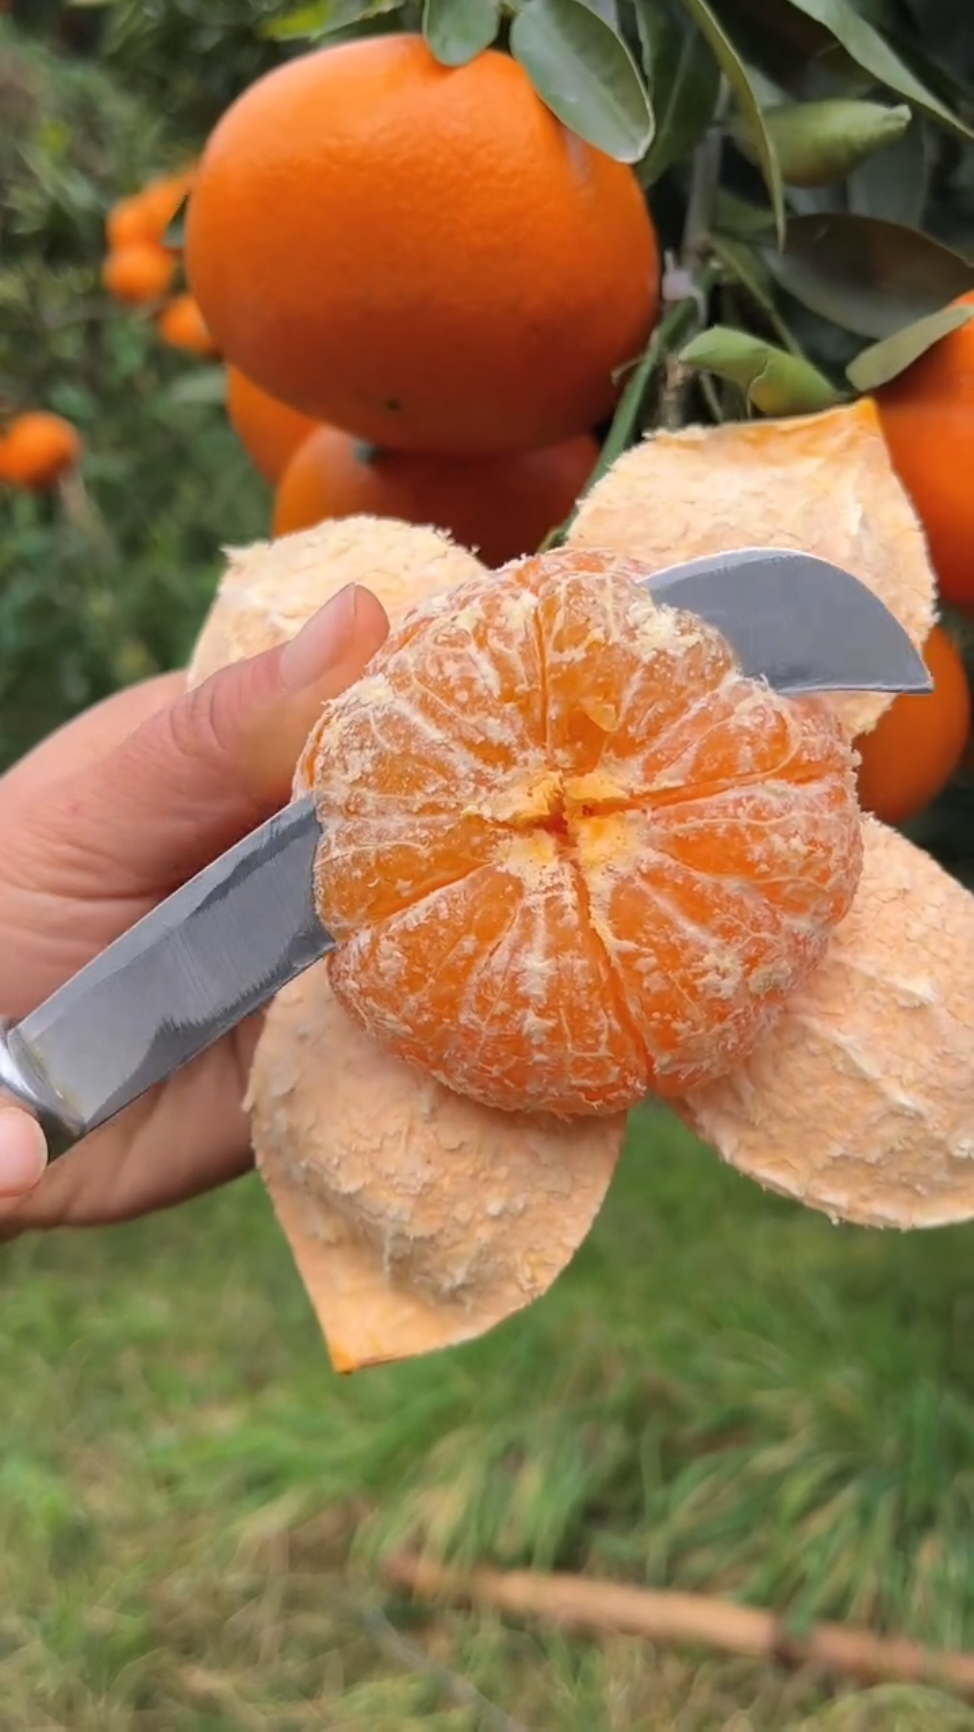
<point>23,1152</point>
<point>322,642</point>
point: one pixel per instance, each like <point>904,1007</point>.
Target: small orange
<point>927,416</point>
<point>125,224</point>
<point>916,747</point>
<point>500,506</point>
<point>180,324</point>
<point>146,215</point>
<point>160,201</point>
<point>138,275</point>
<point>571,855</point>
<point>38,449</point>
<point>270,432</point>
<point>421,255</point>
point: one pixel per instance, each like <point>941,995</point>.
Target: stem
<point>679,323</point>
<point>581,1603</point>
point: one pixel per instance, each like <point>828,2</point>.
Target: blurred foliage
<point>107,582</point>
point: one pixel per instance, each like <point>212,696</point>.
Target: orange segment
<point>572,854</point>
<point>504,968</point>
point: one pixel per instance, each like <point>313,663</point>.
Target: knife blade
<point>800,622</point>
<point>226,942</point>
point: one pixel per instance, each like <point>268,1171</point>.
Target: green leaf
<point>820,142</point>
<point>791,49</point>
<point>893,183</point>
<point>205,385</point>
<point>739,79</point>
<point>747,268</point>
<point>773,381</point>
<point>738,216</point>
<point>869,49</point>
<point>456,31</point>
<point>585,74</point>
<point>684,83</point>
<point>883,361</point>
<point>321,18</point>
<point>174,238</point>
<point>868,276</point>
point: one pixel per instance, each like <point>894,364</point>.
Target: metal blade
<point>799,622</point>
<point>186,974</point>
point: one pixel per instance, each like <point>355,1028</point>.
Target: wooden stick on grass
<point>580,1603</point>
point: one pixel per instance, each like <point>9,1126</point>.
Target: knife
<point>227,941</point>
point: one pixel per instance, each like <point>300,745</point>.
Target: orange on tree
<point>269,431</point>
<point>146,215</point>
<point>916,747</point>
<point>140,274</point>
<point>181,325</point>
<point>501,506</point>
<point>927,416</point>
<point>38,449</point>
<point>422,256</point>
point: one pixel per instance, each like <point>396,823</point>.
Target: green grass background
<point>721,1393</point>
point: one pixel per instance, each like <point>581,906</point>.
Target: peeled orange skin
<point>822,484</point>
<point>916,747</point>
<point>927,416</point>
<point>859,1102</point>
<point>499,506</point>
<point>270,432</point>
<point>271,588</point>
<point>570,855</point>
<point>419,255</point>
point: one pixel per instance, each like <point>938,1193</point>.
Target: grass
<point>721,1393</point>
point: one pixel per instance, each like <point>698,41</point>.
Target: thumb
<point>205,769</point>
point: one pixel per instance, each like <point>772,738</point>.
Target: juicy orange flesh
<point>571,855</point>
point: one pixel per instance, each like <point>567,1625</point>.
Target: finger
<point>23,1155</point>
<point>202,771</point>
<point>90,735</point>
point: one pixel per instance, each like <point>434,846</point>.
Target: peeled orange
<point>571,854</point>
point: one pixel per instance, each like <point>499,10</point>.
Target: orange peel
<point>821,483</point>
<point>861,1101</point>
<point>418,1218</point>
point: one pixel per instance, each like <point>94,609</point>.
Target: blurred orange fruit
<point>140,274</point>
<point>500,506</point>
<point>572,854</point>
<point>420,255</point>
<point>180,324</point>
<point>927,416</point>
<point>916,747</point>
<point>270,432</point>
<point>146,215</point>
<point>38,448</point>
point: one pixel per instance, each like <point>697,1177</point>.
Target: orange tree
<point>808,167</point>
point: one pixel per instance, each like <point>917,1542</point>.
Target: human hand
<point>102,821</point>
